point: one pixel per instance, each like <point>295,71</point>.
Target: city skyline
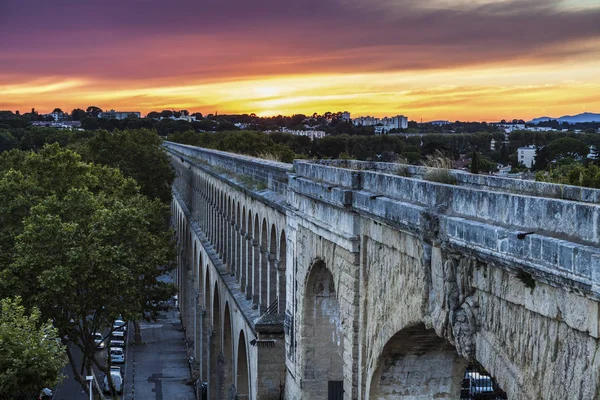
<point>449,60</point>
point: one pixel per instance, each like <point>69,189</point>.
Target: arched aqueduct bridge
<point>361,280</point>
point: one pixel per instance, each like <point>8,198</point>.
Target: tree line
<point>85,237</point>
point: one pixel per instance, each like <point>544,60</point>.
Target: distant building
<point>310,133</point>
<point>508,128</point>
<point>384,125</point>
<point>346,116</point>
<point>112,114</point>
<point>365,121</point>
<point>188,118</point>
<point>58,124</point>
<point>57,116</point>
<point>439,122</point>
<point>526,155</point>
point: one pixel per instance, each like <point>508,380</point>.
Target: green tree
<point>568,147</point>
<point>31,353</point>
<point>78,114</point>
<point>475,163</point>
<point>93,111</point>
<point>138,154</point>
<point>86,246</point>
<point>572,174</point>
<point>7,141</point>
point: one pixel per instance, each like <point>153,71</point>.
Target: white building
<point>526,155</point>
<point>310,133</point>
<point>383,125</point>
<point>508,128</point>
<point>112,114</point>
<point>57,116</point>
<point>365,121</point>
<point>346,116</point>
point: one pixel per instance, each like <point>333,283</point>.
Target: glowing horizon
<point>483,61</point>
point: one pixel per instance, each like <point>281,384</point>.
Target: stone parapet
<point>261,173</point>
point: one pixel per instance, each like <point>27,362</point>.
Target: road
<point>70,389</point>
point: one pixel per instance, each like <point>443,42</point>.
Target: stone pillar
<point>272,279</point>
<point>255,272</point>
<point>281,286</point>
<point>264,279</point>
<point>247,266</point>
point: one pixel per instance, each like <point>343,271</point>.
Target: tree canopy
<point>81,243</point>
<point>31,353</point>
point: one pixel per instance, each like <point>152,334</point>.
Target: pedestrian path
<point>160,368</point>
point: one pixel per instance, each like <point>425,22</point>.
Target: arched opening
<point>322,336</point>
<point>237,231</point>
<point>228,379</point>
<point>256,262</point>
<point>216,371</point>
<point>242,383</point>
<point>243,251</point>
<point>417,364</point>
<point>477,383</point>
<point>272,262</point>
<point>199,300</point>
<point>206,327</point>
<point>227,234</point>
<point>264,267</point>
<point>281,268</point>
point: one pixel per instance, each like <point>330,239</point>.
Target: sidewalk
<point>160,368</point>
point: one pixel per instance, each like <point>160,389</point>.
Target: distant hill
<point>571,119</point>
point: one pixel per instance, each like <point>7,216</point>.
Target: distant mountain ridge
<point>571,119</point>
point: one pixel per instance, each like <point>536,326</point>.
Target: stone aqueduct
<point>359,280</point>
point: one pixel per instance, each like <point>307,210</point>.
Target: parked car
<point>46,394</point>
<point>117,343</point>
<point>118,335</point>
<point>117,355</point>
<point>117,368</point>
<point>120,325</point>
<point>480,385</point>
<point>98,340</point>
<point>117,380</point>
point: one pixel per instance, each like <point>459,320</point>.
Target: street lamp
<point>90,378</point>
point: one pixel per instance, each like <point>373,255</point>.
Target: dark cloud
<point>213,39</point>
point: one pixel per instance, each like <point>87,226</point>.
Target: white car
<point>117,355</point>
<point>117,379</point>
<point>120,325</point>
<point>479,383</point>
<point>117,343</point>
<point>118,335</point>
<point>98,340</point>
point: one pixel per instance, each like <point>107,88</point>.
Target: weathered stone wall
<point>393,282</point>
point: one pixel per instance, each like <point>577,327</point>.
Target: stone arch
<point>237,237</point>
<point>206,321</point>
<point>281,268</point>
<point>242,380</point>
<point>321,334</point>
<point>227,241</point>
<point>417,364</point>
<point>199,300</point>
<point>272,262</point>
<point>256,261</point>
<point>264,267</point>
<point>228,379</point>
<point>243,250</point>
<point>214,386</point>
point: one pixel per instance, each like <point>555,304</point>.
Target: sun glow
<point>484,93</point>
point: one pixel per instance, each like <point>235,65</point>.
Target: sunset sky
<point>426,59</point>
